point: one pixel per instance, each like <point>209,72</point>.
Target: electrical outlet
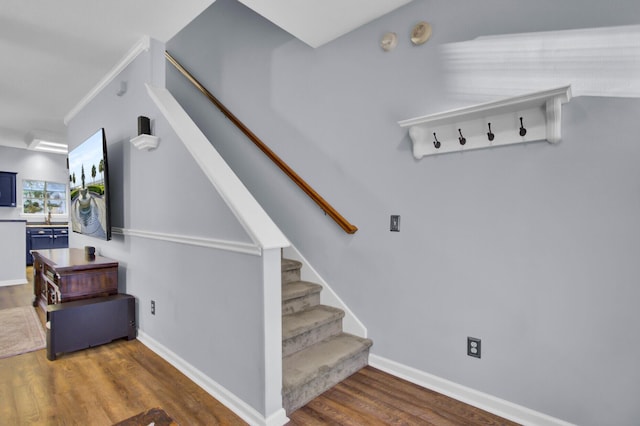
<point>473,347</point>
<point>153,307</point>
<point>395,223</point>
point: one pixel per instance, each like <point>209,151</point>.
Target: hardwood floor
<point>110,383</point>
<point>98,386</point>
<point>373,397</point>
<point>102,386</point>
<point>17,295</point>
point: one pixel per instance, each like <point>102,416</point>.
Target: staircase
<point>316,353</point>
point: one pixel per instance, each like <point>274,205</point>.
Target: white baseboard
<point>19,281</point>
<point>231,401</point>
<point>484,401</point>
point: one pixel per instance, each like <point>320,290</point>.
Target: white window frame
<point>44,213</point>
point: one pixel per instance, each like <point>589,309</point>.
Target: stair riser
<point>299,397</point>
<point>315,335</point>
<point>300,303</point>
<point>290,276</point>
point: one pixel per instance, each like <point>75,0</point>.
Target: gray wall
<point>203,312</point>
<point>31,165</point>
<point>532,248</point>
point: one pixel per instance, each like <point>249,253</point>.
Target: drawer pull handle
<point>41,232</point>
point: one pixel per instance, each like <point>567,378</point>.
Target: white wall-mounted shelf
<point>146,142</point>
<point>540,113</point>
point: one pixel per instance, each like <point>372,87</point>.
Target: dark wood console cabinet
<point>89,322</point>
<point>64,275</point>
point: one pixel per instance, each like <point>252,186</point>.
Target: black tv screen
<point>89,187</point>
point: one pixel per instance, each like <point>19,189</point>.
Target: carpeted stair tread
<point>316,353</point>
<point>290,264</point>
<point>304,321</point>
<point>298,289</point>
<point>306,365</point>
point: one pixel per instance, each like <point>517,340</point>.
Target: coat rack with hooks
<point>525,118</point>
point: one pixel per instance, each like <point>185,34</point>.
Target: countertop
<point>44,225</point>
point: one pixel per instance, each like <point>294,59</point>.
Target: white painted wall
<point>31,165</point>
<point>532,248</point>
<point>12,252</point>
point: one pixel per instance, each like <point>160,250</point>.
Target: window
<point>42,197</point>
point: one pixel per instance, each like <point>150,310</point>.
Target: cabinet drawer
<point>39,231</point>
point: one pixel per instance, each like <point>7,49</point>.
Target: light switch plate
<point>395,223</point>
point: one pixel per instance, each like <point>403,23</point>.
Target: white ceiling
<point>55,52</point>
<point>317,22</point>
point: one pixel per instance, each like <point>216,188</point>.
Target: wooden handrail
<point>324,205</point>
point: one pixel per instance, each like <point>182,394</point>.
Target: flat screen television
<point>89,187</point>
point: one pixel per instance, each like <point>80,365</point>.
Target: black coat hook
<point>436,142</point>
<point>462,139</point>
<point>490,135</point>
<point>523,131</point>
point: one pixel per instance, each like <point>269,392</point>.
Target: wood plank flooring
<point>109,383</point>
<point>16,295</point>
<point>98,386</point>
<point>102,386</point>
<point>373,397</point>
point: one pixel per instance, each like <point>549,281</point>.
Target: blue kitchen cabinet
<point>46,237</point>
<point>7,189</point>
